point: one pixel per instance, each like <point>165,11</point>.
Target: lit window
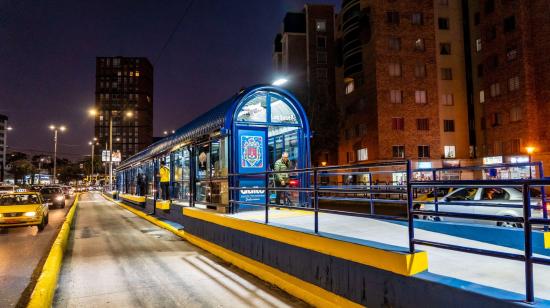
<point>350,85</point>
<point>513,83</point>
<point>321,25</point>
<point>419,44</point>
<point>482,96</point>
<point>131,74</point>
<point>449,151</point>
<point>478,45</point>
<point>447,99</point>
<point>362,154</point>
<point>395,69</point>
<point>420,96</point>
<point>396,96</point>
<point>137,73</point>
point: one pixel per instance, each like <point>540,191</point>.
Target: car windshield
<point>50,190</point>
<point>22,199</point>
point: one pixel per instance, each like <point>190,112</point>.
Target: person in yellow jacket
<point>164,174</point>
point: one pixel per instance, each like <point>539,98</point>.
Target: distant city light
<point>9,128</point>
<point>92,112</point>
<point>280,82</point>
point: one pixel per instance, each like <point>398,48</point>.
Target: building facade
<point>304,54</point>
<point>510,41</point>
<point>3,145</point>
<point>401,82</point>
<point>124,94</point>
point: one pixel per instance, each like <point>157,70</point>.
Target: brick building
<point>401,82</point>
<point>304,54</point>
<point>510,61</point>
<point>124,84</point>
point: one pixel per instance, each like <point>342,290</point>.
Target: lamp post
<point>61,128</point>
<point>92,143</point>
<point>9,128</point>
<point>127,114</point>
<point>530,150</point>
<point>40,169</point>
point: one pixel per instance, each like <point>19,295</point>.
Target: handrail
<point>370,192</point>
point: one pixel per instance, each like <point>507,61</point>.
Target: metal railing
<point>311,190</point>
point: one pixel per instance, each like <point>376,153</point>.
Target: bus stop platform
<point>496,277</point>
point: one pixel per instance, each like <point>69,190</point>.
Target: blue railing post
<point>543,197</point>
<point>410,206</point>
<point>370,194</point>
<point>316,199</point>
<point>527,231</point>
<point>266,197</point>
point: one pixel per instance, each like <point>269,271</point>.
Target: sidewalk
<point>117,259</point>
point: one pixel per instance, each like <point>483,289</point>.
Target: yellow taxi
<point>23,209</point>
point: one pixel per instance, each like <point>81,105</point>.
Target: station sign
<point>252,154</point>
<point>105,154</point>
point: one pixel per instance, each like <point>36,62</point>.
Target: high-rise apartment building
<point>3,145</point>
<point>304,54</point>
<point>124,94</point>
<point>401,82</point>
<point>510,44</point>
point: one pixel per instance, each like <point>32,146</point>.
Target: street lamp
<point>54,128</point>
<point>530,150</point>
<point>280,81</point>
<point>127,114</point>
<point>40,169</point>
<point>92,143</point>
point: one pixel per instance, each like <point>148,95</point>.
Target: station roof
<point>218,118</point>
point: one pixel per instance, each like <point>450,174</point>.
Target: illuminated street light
<point>280,82</point>
<point>9,128</point>
<point>54,128</point>
<point>3,175</point>
<point>530,150</point>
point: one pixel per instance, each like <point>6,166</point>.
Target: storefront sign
<point>450,163</point>
<point>519,159</point>
<point>492,160</point>
<point>424,164</point>
<point>252,158</point>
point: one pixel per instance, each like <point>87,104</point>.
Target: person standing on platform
<point>281,179</point>
<point>164,175</point>
<point>139,184</point>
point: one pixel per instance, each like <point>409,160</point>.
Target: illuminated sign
<point>519,159</point>
<point>105,155</point>
<point>424,164</point>
<point>491,160</point>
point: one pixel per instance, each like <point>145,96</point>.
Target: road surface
<point>116,259</point>
<point>21,251</point>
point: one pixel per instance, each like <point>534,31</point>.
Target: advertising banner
<point>252,157</point>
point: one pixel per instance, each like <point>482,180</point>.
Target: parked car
<point>53,196</point>
<point>499,201</point>
<point>23,209</point>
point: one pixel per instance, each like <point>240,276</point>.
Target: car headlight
<point>59,198</point>
<point>1,215</point>
<point>30,214</point>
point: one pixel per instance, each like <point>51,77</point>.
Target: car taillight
<point>293,183</point>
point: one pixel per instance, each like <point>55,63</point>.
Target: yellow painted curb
<point>134,198</point>
<point>42,295</point>
<point>306,291</point>
<point>163,205</point>
<point>394,261</point>
<point>149,218</point>
<point>547,240</point>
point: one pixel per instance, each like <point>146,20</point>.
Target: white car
<point>499,201</point>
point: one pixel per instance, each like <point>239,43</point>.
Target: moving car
<point>53,196</point>
<point>68,191</point>
<point>499,201</point>
<point>4,189</point>
<point>23,209</point>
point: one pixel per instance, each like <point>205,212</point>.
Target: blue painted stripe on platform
<point>481,289</point>
<point>506,237</point>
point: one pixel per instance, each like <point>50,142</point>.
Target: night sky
<point>48,51</point>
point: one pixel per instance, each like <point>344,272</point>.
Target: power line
<point>173,32</point>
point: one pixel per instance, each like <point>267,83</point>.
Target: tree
<point>70,172</point>
<point>20,168</point>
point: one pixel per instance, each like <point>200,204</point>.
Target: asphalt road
<point>116,259</point>
<point>21,251</point>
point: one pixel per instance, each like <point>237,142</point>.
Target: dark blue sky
<point>48,50</point>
